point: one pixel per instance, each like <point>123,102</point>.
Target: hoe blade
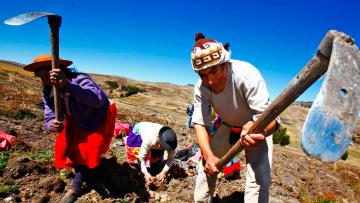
<point>330,124</point>
<point>26,18</point>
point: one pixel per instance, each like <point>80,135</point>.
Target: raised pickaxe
<point>54,23</point>
<point>330,124</point>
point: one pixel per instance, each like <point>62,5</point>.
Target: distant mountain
<point>11,63</point>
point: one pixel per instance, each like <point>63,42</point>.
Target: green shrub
<point>112,84</point>
<point>345,156</point>
<point>130,90</point>
<point>280,137</point>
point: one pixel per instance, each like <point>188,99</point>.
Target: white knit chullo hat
<point>207,53</point>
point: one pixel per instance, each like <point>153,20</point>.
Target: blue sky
<point>151,40</point>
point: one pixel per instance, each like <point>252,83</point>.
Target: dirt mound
<point>120,179</point>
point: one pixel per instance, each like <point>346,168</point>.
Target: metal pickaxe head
<point>330,124</point>
<point>54,23</point>
<point>28,17</point>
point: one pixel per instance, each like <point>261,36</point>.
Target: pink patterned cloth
<point>121,128</point>
<point>5,140</point>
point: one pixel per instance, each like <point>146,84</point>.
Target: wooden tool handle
<point>315,68</point>
<point>309,74</point>
<point>55,23</point>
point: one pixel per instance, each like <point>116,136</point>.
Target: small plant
<point>281,137</point>
<point>4,156</point>
<point>6,189</point>
<point>112,84</point>
<point>46,156</point>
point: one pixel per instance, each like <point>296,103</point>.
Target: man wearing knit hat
<point>237,93</point>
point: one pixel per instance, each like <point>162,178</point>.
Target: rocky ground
<point>27,174</point>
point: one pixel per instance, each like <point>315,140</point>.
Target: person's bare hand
<point>210,166</point>
<point>149,178</point>
<point>161,176</point>
<point>250,140</point>
<point>56,126</point>
<point>58,78</point>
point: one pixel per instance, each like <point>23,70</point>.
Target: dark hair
<point>70,72</point>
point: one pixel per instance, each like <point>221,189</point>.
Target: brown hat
<point>44,60</point>
<point>207,53</point>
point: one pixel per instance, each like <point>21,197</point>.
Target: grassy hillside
<point>163,100</point>
<point>19,91</point>
<point>27,174</point>
<point>155,98</point>
<point>13,67</point>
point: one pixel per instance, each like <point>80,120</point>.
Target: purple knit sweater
<point>87,103</point>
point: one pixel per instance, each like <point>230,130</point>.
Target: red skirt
<point>75,145</point>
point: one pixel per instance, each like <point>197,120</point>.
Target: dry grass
<point>350,175</point>
<point>8,66</point>
<point>158,99</point>
<point>19,92</point>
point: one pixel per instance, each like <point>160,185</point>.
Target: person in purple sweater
<point>87,122</point>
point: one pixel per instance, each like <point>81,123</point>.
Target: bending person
<point>145,146</point>
<point>89,120</point>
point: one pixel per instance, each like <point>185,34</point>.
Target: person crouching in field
<point>145,145</point>
<point>87,120</point>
